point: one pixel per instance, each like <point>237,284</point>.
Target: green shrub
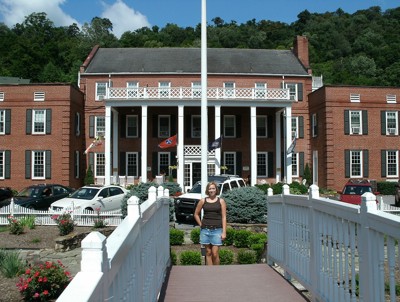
<point>195,235</point>
<point>190,258</point>
<point>277,188</point>
<point>225,256</point>
<point>297,188</point>
<point>386,187</point>
<point>307,175</point>
<point>29,221</point>
<point>230,235</point>
<point>246,205</point>
<point>245,256</point>
<point>174,258</point>
<point>11,265</point>
<point>263,187</point>
<point>259,249</point>
<point>241,238</point>
<point>15,226</point>
<point>176,237</point>
<point>89,178</point>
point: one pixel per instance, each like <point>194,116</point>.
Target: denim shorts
<point>211,236</point>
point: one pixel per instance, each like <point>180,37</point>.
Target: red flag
<point>168,143</point>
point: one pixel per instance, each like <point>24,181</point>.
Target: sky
<point>129,15</point>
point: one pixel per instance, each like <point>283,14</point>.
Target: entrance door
<point>196,172</point>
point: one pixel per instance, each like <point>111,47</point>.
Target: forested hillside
<point>361,48</point>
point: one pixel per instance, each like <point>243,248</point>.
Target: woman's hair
<point>208,187</point>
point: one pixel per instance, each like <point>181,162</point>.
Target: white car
<point>93,198</point>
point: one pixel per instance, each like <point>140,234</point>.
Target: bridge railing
<point>131,264</point>
<point>337,251</point>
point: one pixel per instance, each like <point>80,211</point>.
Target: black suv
<point>5,193</point>
<point>185,204</point>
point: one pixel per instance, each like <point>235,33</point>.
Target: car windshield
<point>29,192</point>
<point>85,193</point>
<point>197,188</point>
<point>357,190</point>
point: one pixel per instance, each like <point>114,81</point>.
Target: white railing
<point>337,251</point>
<point>176,93</point>
<point>131,264</point>
<point>80,217</point>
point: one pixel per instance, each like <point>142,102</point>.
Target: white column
<point>144,144</point>
<point>181,144</point>
<point>253,145</point>
<point>218,134</point>
<point>288,142</point>
<point>115,151</point>
<point>107,147</point>
<point>278,149</point>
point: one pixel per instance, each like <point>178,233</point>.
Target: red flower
<point>45,292</point>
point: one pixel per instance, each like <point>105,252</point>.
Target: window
<point>293,91</point>
<point>354,97</point>
<point>392,159</point>
<point>196,89</point>
<point>314,125</point>
<point>229,89</point>
<point>229,126</point>
<point>131,126</point>
<point>164,122</point>
<point>262,126</point>
<point>391,122</point>
<point>2,121</point>
<point>2,164</point>
<point>355,122</point>
<point>163,162</point>
<point>260,90</point>
<point>39,118</point>
<point>164,89</point>
<point>1,96</point>
<point>100,165</point>
<point>196,126</point>
<point>391,98</point>
<point>356,164</point>
<point>295,127</point>
<point>230,163</point>
<point>38,166</point>
<point>38,96</point>
<point>100,123</point>
<point>295,164</point>
<point>77,124</point>
<point>262,164</point>
<point>132,89</point>
<point>101,90</point>
<point>132,164</point>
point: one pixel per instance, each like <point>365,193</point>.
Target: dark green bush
<point>297,188</point>
<point>263,187</point>
<point>190,258</point>
<point>277,188</point>
<point>307,175</point>
<point>225,256</point>
<point>89,178</point>
<point>259,249</point>
<point>245,256</point>
<point>176,237</point>
<point>174,258</point>
<point>246,205</point>
<point>386,187</point>
<point>195,235</point>
<point>255,238</point>
<point>241,238</point>
<point>230,233</point>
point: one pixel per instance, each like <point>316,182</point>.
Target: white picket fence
<point>80,217</point>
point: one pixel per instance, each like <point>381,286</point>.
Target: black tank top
<point>212,214</point>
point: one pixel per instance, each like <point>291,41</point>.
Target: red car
<point>353,190</point>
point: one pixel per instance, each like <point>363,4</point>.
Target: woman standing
<point>213,224</point>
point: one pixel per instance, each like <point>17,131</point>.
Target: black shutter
<point>75,162</point>
<point>48,121</point>
<point>155,125</point>
<point>122,163</point>
<point>366,163</point>
<point>301,164</point>
<point>238,126</point>
<point>139,164</point>
<point>7,165</point>
<point>346,123</point>
<point>91,162</point>
<point>383,163</point>
<point>239,166</point>
<point>365,122</point>
<point>188,126</point>
<point>174,163</point>
<point>28,164</point>
<point>301,127</point>
<point>154,165</point>
<point>91,125</point>
<point>8,121</point>
<point>270,171</point>
<point>122,131</point>
<point>173,125</point>
<point>300,91</point>
<point>29,122</point>
<point>270,125</point>
<point>48,165</point>
<point>316,125</point>
<point>347,163</point>
<point>383,122</point>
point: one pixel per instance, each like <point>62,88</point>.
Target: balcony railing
<point>188,93</point>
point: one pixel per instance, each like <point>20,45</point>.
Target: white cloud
<point>123,17</point>
<point>15,11</point>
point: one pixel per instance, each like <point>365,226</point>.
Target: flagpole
<point>204,117</point>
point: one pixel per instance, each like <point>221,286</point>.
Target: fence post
<point>314,239</point>
<point>133,205</point>
<point>270,192</point>
<point>160,191</point>
<point>12,207</point>
<point>285,191</point>
<point>152,194</point>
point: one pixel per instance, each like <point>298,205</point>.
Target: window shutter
<point>155,125</point>
<point>270,125</point>
<point>300,91</point>
<point>383,163</point>
<point>91,162</point>
<point>139,164</point>
<point>75,163</point>
<point>174,163</point>
<point>238,126</point>
<point>28,164</point>
<point>48,164</point>
<point>7,166</point>
<point>383,122</point>
<point>301,164</point>
<point>346,123</point>
<point>123,127</point>
<point>48,121</point>
<point>91,126</point>
<point>188,126</point>
<point>8,121</point>
<point>270,164</point>
<point>365,122</point>
<point>173,125</point>
<point>29,122</point>
<point>239,169</point>
<point>301,126</point>
<point>366,163</point>
<point>347,163</point>
<point>122,163</point>
<point>154,166</point>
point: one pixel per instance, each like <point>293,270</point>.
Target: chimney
<point>301,51</point>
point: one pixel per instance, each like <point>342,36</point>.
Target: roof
<point>188,60</point>
<point>13,80</point>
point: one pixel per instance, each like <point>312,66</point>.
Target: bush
<point>29,221</point>
<point>225,256</point>
<point>259,249</point>
<point>307,175</point>
<point>65,223</point>
<point>89,178</point>
<point>386,187</point>
<point>195,235</point>
<point>255,238</point>
<point>277,188</point>
<point>230,235</point>
<point>241,238</point>
<point>246,205</point>
<point>190,258</point>
<point>247,257</point>
<point>15,226</point>
<point>297,188</point>
<point>176,237</point>
<point>11,264</point>
<point>263,187</point>
<point>174,258</point>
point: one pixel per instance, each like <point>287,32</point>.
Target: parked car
<point>103,198</point>
<point>185,204</point>
<point>4,194</point>
<point>353,189</point>
<point>40,196</point>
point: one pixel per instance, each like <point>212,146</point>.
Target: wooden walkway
<point>250,283</point>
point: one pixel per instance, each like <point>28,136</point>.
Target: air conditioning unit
<point>392,131</point>
<point>355,130</point>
